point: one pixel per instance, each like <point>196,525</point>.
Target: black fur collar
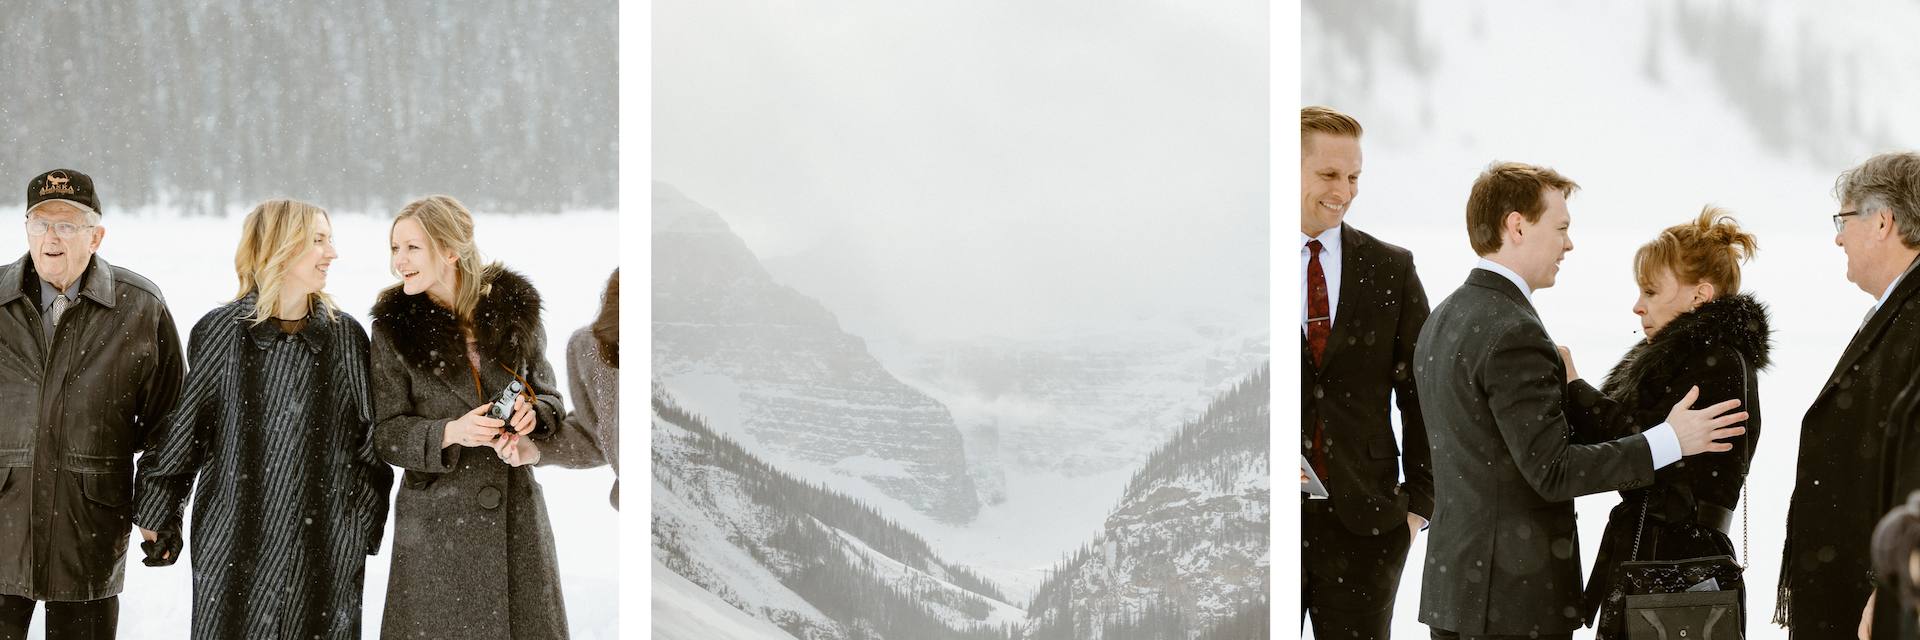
<point>1737,321</point>
<point>506,324</point>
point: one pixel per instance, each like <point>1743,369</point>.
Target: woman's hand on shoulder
<point>1566,359</point>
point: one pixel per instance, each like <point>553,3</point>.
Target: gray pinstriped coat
<point>276,432</point>
<point>473,554</point>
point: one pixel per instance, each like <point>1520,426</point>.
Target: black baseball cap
<point>64,185</point>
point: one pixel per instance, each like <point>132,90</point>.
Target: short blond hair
<point>1318,119</point>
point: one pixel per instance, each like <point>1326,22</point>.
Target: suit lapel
<point>1876,325</point>
<point>1356,270</point>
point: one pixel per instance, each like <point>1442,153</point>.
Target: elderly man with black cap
<point>90,361</point>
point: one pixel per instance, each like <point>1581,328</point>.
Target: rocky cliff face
<point>1186,552</point>
<point>772,366</point>
<point>815,563</point>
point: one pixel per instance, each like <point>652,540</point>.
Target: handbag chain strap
<point>1641,529</point>
<point>1746,392</point>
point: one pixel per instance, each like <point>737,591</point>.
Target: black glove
<point>166,543</point>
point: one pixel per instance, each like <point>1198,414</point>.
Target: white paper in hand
<point>1313,488</point>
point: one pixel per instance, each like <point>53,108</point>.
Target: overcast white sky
<point>959,168</point>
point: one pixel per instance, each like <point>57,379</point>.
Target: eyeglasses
<point>37,227</point>
<point>1840,220</point>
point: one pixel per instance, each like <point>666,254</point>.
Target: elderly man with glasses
<point>1841,486</point>
<point>89,362</point>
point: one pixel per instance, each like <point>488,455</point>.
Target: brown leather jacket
<point>71,418</point>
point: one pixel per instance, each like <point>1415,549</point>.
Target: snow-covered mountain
<point>1082,403</point>
<point>812,562</point>
<point>1185,555</point>
<point>774,368</point>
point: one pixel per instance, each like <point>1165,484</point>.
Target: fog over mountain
<point>956,169</point>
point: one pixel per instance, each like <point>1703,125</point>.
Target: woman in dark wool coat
<point>1701,332</point>
<point>473,553</point>
<point>276,425</point>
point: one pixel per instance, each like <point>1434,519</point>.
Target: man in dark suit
<point>1842,485</point>
<point>1363,307</point>
<point>1504,559</point>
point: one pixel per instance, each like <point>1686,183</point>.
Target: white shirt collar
<point>1896,282</point>
<point>1508,274</point>
<point>1329,239</point>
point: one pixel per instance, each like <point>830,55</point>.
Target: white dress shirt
<point>1330,264</point>
<point>1883,295</point>
<point>1661,440</point>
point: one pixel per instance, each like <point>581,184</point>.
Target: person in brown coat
<point>592,434</point>
<point>473,554</point>
<point>90,361</point>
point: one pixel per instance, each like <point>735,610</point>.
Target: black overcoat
<point>76,409</point>
<point>1839,490</point>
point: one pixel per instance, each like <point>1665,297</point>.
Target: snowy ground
<point>568,256</point>
<point>1647,155</point>
<point>684,611</point>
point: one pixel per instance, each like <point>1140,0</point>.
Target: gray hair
<point>1890,181</point>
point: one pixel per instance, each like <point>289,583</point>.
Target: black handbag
<point>1691,598</point>
<point>1663,602</point>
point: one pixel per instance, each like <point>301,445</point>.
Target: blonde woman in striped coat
<point>275,429</point>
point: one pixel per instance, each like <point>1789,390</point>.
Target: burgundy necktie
<point>1319,326</point>
<point>1319,320</point>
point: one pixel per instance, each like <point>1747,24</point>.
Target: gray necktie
<point>59,306</point>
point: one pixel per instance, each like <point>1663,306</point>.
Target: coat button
<point>489,497</point>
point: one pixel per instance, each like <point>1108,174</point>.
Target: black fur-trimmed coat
<point>473,553</point>
<point>1720,346</point>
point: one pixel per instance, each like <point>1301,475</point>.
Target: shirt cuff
<point>1664,444</point>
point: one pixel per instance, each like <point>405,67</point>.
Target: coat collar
<point>315,335</point>
<point>1739,322</point>
<point>506,324</point>
<point>1489,280</point>
<point>96,282</point>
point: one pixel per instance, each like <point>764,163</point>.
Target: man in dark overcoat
<point>1503,560</point>
<point>1841,485</point>
<point>90,361</point>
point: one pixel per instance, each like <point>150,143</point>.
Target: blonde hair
<point>1709,249</point>
<point>1318,119</point>
<point>449,228</point>
<point>275,234</point>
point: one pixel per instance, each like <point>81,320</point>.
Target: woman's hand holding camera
<point>514,448</point>
<point>522,421</point>
<point>474,429</point>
